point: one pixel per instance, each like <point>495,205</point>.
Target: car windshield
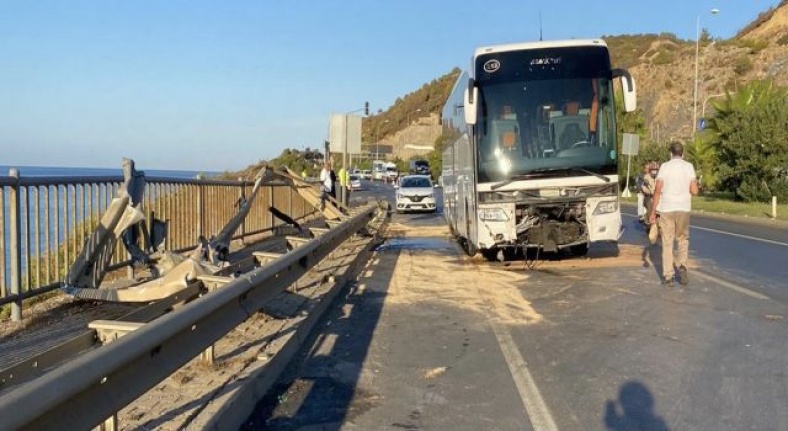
<point>415,182</point>
<point>353,178</point>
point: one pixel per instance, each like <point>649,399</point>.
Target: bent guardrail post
<point>16,247</point>
<point>87,390</point>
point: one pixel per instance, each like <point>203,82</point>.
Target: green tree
<point>750,135</point>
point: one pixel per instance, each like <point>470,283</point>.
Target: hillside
<point>664,68</point>
<point>411,123</point>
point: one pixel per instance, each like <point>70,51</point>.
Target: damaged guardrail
<point>84,392</point>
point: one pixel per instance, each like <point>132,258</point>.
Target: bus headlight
<point>492,214</point>
<point>606,207</point>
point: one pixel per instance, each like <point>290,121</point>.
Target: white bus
<point>529,148</point>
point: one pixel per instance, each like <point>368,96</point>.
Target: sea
<point>52,171</point>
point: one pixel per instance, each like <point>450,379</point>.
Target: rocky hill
<point>665,69</point>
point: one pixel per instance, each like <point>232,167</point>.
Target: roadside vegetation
<point>742,155</point>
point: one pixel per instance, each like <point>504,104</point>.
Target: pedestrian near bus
<point>676,184</point>
<point>326,184</point>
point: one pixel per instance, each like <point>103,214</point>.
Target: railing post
<point>15,227</point>
<point>241,199</point>
<point>200,200</point>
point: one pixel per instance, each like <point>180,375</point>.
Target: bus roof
<point>538,45</point>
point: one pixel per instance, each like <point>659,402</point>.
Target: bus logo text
<point>492,66</point>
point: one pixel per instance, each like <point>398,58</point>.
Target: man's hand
<point>652,218</point>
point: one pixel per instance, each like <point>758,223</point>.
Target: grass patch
<point>721,205</point>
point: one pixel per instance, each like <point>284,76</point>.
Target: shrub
<point>754,45</point>
<point>783,40</point>
<point>668,84</point>
<point>742,65</point>
<point>664,57</point>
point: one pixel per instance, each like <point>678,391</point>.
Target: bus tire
<point>579,249</point>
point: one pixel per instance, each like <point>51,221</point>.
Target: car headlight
<point>606,207</point>
<point>492,214</point>
<point>400,196</point>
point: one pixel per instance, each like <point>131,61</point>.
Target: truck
<point>529,151</point>
<point>419,167</point>
<point>378,170</point>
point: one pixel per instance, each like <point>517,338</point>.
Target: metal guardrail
<point>84,392</point>
<point>44,221</point>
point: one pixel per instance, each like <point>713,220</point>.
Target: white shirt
<point>325,177</point>
<point>676,177</point>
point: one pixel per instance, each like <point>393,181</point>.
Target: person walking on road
<point>676,184</point>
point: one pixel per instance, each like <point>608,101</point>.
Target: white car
<point>355,182</point>
<point>415,193</point>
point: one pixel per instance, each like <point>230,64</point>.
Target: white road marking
<point>768,241</point>
<point>535,407</point>
<point>730,285</point>
<point>738,235</point>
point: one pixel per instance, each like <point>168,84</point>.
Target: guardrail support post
<point>15,226</point>
<point>110,424</point>
<point>207,355</point>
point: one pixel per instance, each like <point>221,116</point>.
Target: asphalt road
<point>603,345</point>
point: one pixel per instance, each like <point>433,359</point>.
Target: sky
<point>219,85</point>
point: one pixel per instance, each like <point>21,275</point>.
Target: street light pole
<point>697,67</point>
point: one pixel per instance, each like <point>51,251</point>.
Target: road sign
<point>631,144</point>
<point>345,133</point>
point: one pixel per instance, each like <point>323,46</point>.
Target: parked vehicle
<point>415,193</point>
<point>366,175</point>
<point>532,159</point>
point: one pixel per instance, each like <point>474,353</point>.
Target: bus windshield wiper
<point>531,173</point>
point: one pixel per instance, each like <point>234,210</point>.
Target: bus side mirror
<point>471,97</point>
<point>628,87</point>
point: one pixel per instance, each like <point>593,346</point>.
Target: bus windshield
<point>545,109</point>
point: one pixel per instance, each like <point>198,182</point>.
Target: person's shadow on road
<point>636,410</point>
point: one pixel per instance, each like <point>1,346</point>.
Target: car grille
<point>416,198</point>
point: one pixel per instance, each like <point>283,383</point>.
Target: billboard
<point>344,133</point>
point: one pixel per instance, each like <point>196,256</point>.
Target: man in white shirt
<point>676,184</point>
<point>327,184</point>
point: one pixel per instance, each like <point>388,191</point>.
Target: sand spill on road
<point>443,275</point>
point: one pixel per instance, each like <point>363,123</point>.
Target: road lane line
<point>738,235</point>
<point>768,241</point>
<point>535,407</point>
<point>730,285</point>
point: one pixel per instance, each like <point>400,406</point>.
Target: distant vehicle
<point>392,173</point>
<point>415,193</point>
<point>355,182</point>
<point>366,175</point>
<point>531,158</point>
<point>419,167</point>
<point>378,170</point>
